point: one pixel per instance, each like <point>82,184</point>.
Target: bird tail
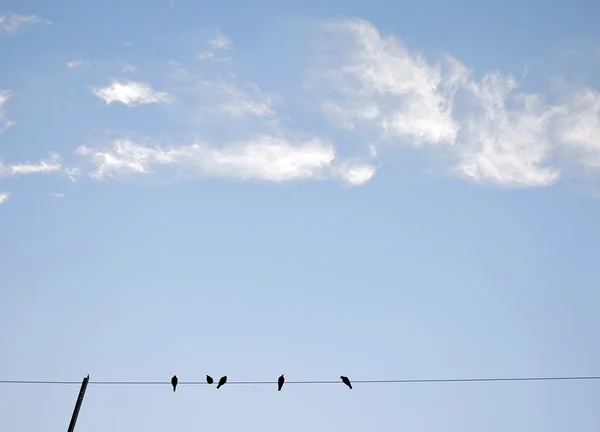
<point>350,385</point>
<point>218,386</point>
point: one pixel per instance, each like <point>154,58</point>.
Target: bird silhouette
<point>280,382</point>
<point>174,382</point>
<point>346,381</point>
<point>209,379</point>
<point>222,381</point>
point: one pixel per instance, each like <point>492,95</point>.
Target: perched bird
<point>174,382</point>
<point>209,379</point>
<point>222,381</point>
<point>346,381</point>
<point>280,382</point>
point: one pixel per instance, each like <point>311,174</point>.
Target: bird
<point>280,382</point>
<point>209,379</point>
<point>346,381</point>
<point>222,381</point>
<point>174,382</point>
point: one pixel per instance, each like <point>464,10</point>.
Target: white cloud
<point>77,63</point>
<point>52,164</point>
<point>262,158</point>
<point>13,23</point>
<point>381,83</point>
<point>236,102</point>
<point>130,93</point>
<point>497,135</point>
<point>578,127</point>
<point>4,197</point>
<point>58,195</point>
<point>355,173</point>
<point>487,130</point>
<point>219,43</point>
<point>503,146</point>
<point>5,123</point>
<point>130,68</point>
<point>73,173</point>
<point>270,154</point>
<point>224,95</point>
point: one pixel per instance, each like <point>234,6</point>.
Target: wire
<point>391,381</point>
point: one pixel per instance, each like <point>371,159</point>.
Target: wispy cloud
<point>381,83</point>
<point>261,158</point>
<point>5,123</point>
<point>268,154</point>
<point>13,23</point>
<point>58,195</point>
<point>354,173</point>
<point>501,135</point>
<point>51,164</point>
<point>214,46</point>
<point>78,63</point>
<point>220,41</point>
<point>237,102</point>
<point>224,95</point>
<point>485,129</point>
<point>505,146</point>
<point>4,197</point>
<point>72,173</point>
<point>130,68</point>
<point>578,128</point>
<point>130,93</point>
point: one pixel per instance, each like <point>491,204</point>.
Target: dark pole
<point>78,404</point>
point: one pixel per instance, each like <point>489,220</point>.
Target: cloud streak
<point>223,95</point>
<point>263,158</point>
<point>50,165</point>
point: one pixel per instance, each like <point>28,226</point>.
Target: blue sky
<point>381,190</point>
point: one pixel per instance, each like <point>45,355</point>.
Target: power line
<point>388,381</point>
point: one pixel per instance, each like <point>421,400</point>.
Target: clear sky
<point>378,189</point>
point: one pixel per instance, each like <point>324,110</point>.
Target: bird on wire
<point>280,382</point>
<point>222,381</point>
<point>209,379</point>
<point>346,381</point>
<point>174,382</point>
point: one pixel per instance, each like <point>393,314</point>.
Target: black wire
<point>393,381</point>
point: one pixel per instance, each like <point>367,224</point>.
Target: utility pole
<point>78,404</point>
